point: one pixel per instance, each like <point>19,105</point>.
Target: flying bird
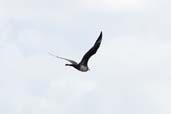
<point>83,64</point>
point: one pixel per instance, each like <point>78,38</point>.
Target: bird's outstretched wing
<point>92,51</point>
<point>71,61</point>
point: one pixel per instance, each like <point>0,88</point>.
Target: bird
<point>83,64</point>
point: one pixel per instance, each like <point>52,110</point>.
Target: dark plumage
<point>83,65</point>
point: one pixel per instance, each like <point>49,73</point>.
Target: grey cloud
<point>130,74</point>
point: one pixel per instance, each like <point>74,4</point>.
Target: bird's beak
<point>68,65</point>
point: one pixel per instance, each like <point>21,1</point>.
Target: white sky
<point>130,74</point>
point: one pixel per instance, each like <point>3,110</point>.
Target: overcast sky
<point>130,74</point>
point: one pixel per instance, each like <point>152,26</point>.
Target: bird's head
<point>68,64</point>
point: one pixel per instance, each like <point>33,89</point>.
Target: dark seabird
<point>83,65</point>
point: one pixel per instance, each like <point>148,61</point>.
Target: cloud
<point>129,74</point>
<point>41,84</point>
<point>35,83</point>
<point>130,68</point>
<point>62,10</point>
<point>114,5</point>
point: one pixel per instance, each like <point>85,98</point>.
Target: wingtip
<point>99,38</point>
<point>50,53</point>
<point>100,34</point>
<point>53,55</point>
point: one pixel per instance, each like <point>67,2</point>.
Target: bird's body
<point>83,65</point>
<point>79,67</point>
<point>83,68</point>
